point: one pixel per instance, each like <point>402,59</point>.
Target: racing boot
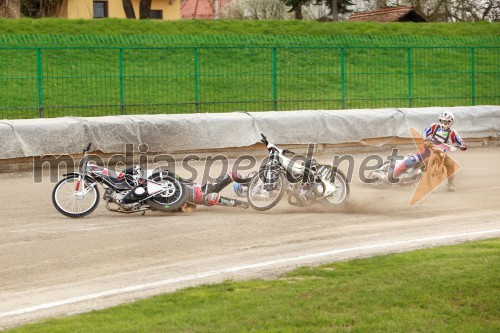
<point>451,184</point>
<point>233,202</point>
<point>215,199</point>
<point>399,169</point>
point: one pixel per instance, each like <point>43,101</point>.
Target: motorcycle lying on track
<point>131,191</point>
<point>305,183</point>
<point>432,169</point>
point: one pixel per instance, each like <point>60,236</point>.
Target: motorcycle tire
<point>174,195</point>
<point>341,194</point>
<point>263,196</point>
<point>69,202</point>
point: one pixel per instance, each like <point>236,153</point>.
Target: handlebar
<point>442,148</point>
<point>264,139</point>
<point>434,144</point>
<point>285,151</point>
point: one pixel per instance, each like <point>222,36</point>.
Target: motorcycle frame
<point>84,172</point>
<point>278,160</point>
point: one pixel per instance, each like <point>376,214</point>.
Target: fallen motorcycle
<point>305,183</point>
<point>432,169</point>
<point>131,191</point>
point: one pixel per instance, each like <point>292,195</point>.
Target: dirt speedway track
<point>51,265</point>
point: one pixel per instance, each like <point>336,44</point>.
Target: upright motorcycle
<point>305,182</point>
<point>435,169</point>
<point>131,191</point>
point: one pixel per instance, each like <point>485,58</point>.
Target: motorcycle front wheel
<point>266,189</point>
<point>70,199</point>
<point>173,195</point>
<point>341,193</point>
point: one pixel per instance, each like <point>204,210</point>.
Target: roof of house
<point>200,9</point>
<point>395,14</point>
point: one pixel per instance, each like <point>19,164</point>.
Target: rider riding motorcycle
<point>440,132</point>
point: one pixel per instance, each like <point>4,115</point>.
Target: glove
<point>437,150</point>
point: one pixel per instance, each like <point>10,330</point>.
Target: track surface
<point>51,265</point>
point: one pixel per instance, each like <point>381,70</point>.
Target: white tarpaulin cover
<point>185,132</point>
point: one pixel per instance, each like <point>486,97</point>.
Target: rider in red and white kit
<point>440,132</point>
<point>208,194</point>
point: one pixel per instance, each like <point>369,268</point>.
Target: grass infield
<point>444,289</point>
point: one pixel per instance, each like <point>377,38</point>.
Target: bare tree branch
<point>446,10</point>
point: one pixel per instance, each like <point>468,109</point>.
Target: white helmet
<point>446,120</point>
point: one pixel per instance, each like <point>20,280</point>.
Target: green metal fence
<point>47,80</point>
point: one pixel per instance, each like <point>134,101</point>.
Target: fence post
<point>342,76</point>
<point>275,80</point>
<point>196,81</point>
<point>122,88</point>
<point>39,81</point>
<point>473,77</point>
<point>410,80</point>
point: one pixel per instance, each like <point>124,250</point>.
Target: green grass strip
<point>47,32</point>
<point>444,289</point>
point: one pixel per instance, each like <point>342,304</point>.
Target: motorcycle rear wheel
<point>342,189</point>
<point>70,201</point>
<point>263,196</point>
<point>172,197</point>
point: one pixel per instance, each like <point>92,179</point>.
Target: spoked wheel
<point>266,189</point>
<point>434,171</point>
<point>173,194</point>
<point>73,199</point>
<point>341,192</point>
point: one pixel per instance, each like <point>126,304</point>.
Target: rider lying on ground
<point>209,193</point>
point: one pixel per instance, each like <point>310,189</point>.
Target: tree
<point>40,8</point>
<point>335,6</point>
<point>446,10</point>
<point>144,9</point>
<point>338,7</point>
<point>128,9</point>
<point>473,10</point>
<point>255,10</point>
<point>296,7</point>
<point>10,8</point>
